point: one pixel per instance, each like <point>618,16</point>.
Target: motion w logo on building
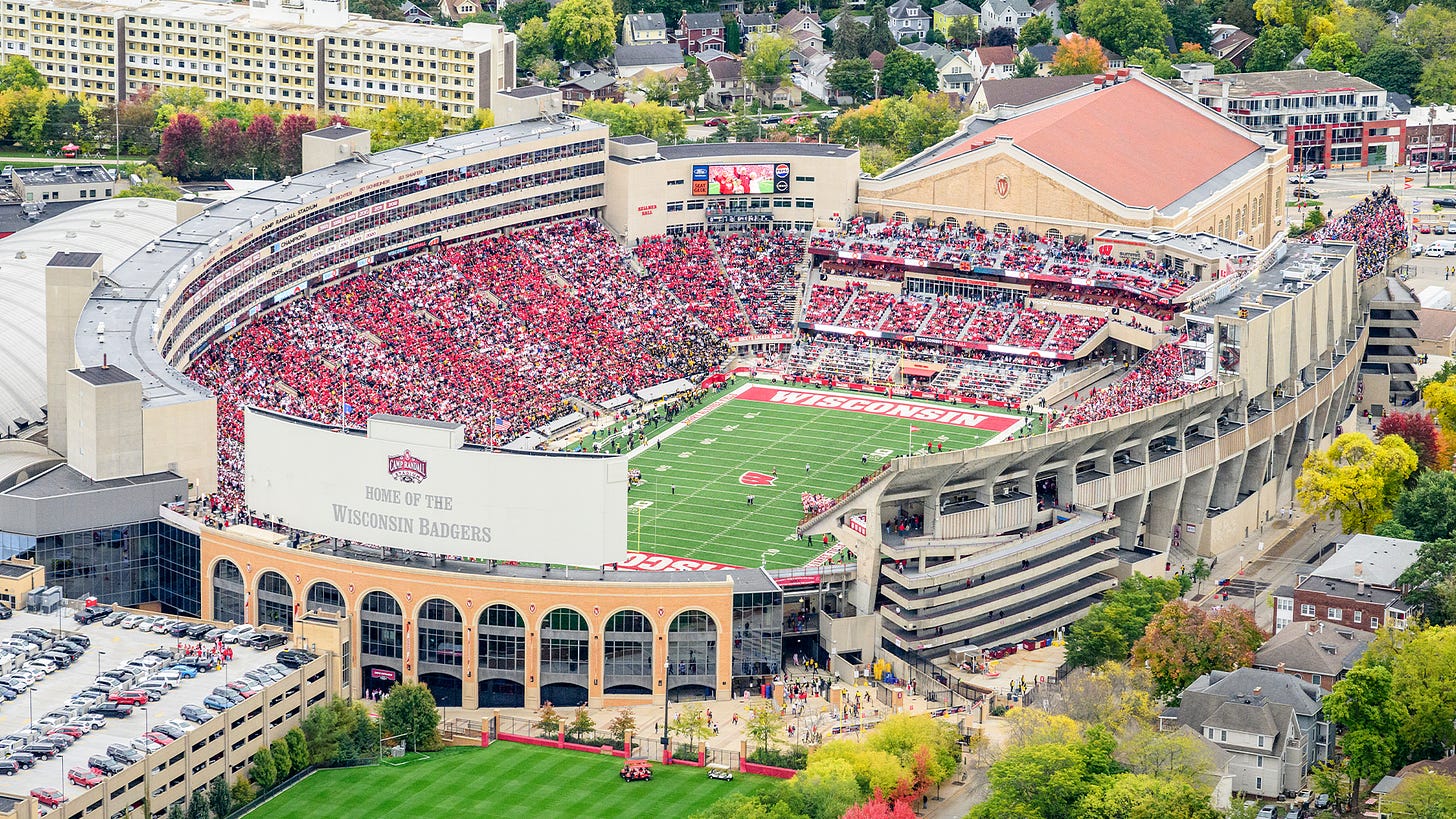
<point>407,468</point>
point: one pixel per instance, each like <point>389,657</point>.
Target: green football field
<point>693,502</point>
<point>507,780</point>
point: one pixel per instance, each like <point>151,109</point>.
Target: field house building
<point>1021,536</point>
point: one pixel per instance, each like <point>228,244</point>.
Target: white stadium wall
<point>410,484</point>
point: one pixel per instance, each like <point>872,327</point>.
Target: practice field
<point>693,502</point>
<point>506,779</point>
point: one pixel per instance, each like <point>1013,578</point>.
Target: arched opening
<point>441,650</point>
<point>565,658</point>
<point>324,596</point>
<point>1003,229</point>
<point>501,647</point>
<point>564,695</point>
<point>899,217</point>
<point>951,223</point>
<point>229,593</point>
<point>1053,235</point>
<point>445,687</point>
<point>627,654</point>
<point>275,601</point>
<point>381,642</point>
<point>692,655</point>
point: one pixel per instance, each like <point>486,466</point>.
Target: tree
<point>649,119</point>
<point>906,72</point>
<point>547,71</point>
<point>1438,82</point>
<point>964,31</point>
<point>1113,694</point>
<point>656,88</point>
<point>1037,30</point>
<point>1432,578</point>
<point>690,89</point>
<point>1033,726</point>
<point>583,29</point>
<point>1177,755</point>
<point>851,39</point>
<point>1183,642</point>
<point>1428,509</point>
<point>197,806</point>
<point>582,724</point>
<point>1423,693</point>
<point>1391,66</point>
<point>1026,66</point>
<point>401,122</point>
<point>1111,626</point>
<point>409,709</point>
<point>1124,25</point>
<point>1360,704</point>
<point>514,15</point>
<point>263,771</point>
<point>1241,13</point>
<point>219,798</point>
<point>262,137</point>
<point>1336,51</point>
<point>1331,777</point>
<point>767,63</point>
<point>19,72</point>
<point>182,147</point>
<point>1154,63</point>
<point>879,808</point>
<point>533,42</point>
<point>765,723</point>
<point>824,792</point>
<point>283,758</point>
<point>1078,55</point>
<point>1422,796</point>
<point>622,724</point>
<point>880,39</point>
<point>1275,48</point>
<point>1000,36</point>
<point>905,737</point>
<point>852,76</point>
<point>690,724</point>
<point>548,722</point>
<point>225,148</point>
<point>1429,29</point>
<point>243,792</point>
<point>290,141</point>
<point>1139,796</point>
<point>743,127</point>
<point>176,810</point>
<point>1419,431</point>
<point>1043,781</point>
<point>378,9</point>
<point>1190,20</point>
<point>1356,479</point>
<point>297,749</point>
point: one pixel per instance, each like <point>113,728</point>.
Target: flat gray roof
<point>128,302</point>
<point>67,259</point>
<point>100,376</point>
<point>336,131</point>
<point>65,480</point>
<point>63,175</point>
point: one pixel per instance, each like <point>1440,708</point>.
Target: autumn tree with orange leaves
<point>1078,55</point>
<point>1183,642</point>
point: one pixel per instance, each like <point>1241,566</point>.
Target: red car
<point>715,122</point>
<point>73,731</point>
<point>130,697</point>
<point>50,797</point>
<point>158,737</point>
<point>86,778</point>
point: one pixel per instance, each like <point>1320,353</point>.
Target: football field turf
<point>506,779</point>
<point>693,502</point>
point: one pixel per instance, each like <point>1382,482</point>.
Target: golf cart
<point>718,770</point>
<point>637,771</point>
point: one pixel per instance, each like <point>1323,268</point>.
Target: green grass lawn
<point>507,780</point>
<point>708,518</point>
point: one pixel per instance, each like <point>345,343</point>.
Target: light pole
<point>1430,121</point>
<point>99,654</point>
<point>62,758</point>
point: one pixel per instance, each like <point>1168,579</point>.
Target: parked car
<point>1268,812</point>
<point>217,703</point>
<point>60,741</point>
<point>113,710</point>
<point>50,797</point>
<point>773,120</point>
<point>1306,193</point>
<point>125,754</point>
<point>230,694</point>
<point>9,767</point>
<point>115,618</point>
<point>198,631</point>
<point>186,672</point>
<point>85,777</point>
<point>5,612</point>
<point>132,621</point>
<point>1444,201</point>
<point>237,633</point>
<point>1322,800</point>
<point>159,737</point>
<point>79,639</point>
<point>195,713</point>
<point>132,697</point>
<point>87,616</point>
<point>266,640</point>
<point>41,750</point>
<point>180,628</point>
<point>1320,174</point>
<point>22,759</point>
<point>105,764</point>
<point>294,657</point>
<point>92,720</point>
<point>146,745</point>
<point>715,122</point>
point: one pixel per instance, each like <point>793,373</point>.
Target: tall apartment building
<point>296,53</point>
<point>1327,118</point>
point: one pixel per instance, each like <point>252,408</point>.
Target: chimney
<point>1313,627</point>
<point>1322,627</point>
<point>1359,568</point>
<point>1259,689</point>
<point>1280,668</point>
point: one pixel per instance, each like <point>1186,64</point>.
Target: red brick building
<point>1355,588</point>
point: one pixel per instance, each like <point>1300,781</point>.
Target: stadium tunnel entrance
<point>564,695</point>
<point>378,679</point>
<point>499,693</point>
<point>445,687</point>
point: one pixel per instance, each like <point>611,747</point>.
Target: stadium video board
<point>740,180</point>
<point>403,490</point>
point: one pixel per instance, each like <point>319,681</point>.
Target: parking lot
<point>110,648</point>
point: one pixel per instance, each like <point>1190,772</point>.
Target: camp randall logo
<point>407,468</point>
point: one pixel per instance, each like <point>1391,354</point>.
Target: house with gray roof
<point>1316,652</point>
<point>908,18</point>
<point>644,29</point>
<point>633,60</point>
<point>1271,724</point>
<point>1357,587</point>
<point>1011,14</point>
<point>700,30</point>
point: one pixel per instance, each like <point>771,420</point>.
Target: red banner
<point>652,562</point>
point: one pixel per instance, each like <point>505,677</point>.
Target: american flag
<point>501,424</point>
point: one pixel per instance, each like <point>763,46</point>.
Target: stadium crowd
<point>1376,225</point>
<point>1156,378</point>
<point>737,283</point>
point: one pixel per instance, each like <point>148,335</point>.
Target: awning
<point>920,369</point>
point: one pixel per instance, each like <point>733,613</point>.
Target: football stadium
<point>536,413</point>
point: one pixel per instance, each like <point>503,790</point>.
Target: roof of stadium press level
<point>128,308</point>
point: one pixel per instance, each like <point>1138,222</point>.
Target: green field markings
<point>506,779</point>
<point>708,516</point>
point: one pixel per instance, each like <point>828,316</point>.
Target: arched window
<point>627,654</point>
<point>324,596</point>
<point>692,654</point>
<point>275,601</point>
<point>1053,235</point>
<point>229,594</point>
<point>440,634</point>
<point>502,640</point>
<point>951,223</point>
<point>381,627</point>
<point>900,217</point>
<point>1003,229</point>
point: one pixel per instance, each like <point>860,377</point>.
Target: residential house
<point>415,14</point>
<point>580,69</point>
<point>644,29</point>
<point>908,19</point>
<point>994,62</point>
<point>1316,652</point>
<point>632,60</point>
<point>1430,134</point>
<point>755,25</point>
<point>1018,92</point>
<point>727,87</point>
<point>783,95</point>
<point>1050,9</point>
<point>1011,14</point>
<point>1271,724</point>
<point>833,24</point>
<point>877,60</point>
<point>957,73</point>
<point>948,12</point>
<point>1114,60</point>
<point>598,86</point>
<point>457,9</point>
<point>1357,587</point>
<point>709,55</point>
<point>1043,53</point>
<point>1440,767</point>
<point>700,30</point>
<point>813,74</point>
<point>803,28</point>
<point>1230,43</point>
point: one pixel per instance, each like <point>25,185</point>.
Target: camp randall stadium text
<point>410,524</point>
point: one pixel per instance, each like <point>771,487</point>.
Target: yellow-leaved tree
<point>1356,479</point>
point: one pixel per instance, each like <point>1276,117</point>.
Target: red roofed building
<point>1123,151</point>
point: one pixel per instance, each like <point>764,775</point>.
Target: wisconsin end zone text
<point>410,524</point>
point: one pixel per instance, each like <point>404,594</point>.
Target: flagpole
<point>343,386</point>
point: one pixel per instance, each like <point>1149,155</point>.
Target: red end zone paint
<point>651,562</point>
<point>884,407</point>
